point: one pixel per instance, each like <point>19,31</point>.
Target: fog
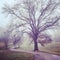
<point>5,21</point>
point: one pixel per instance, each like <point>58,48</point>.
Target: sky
<point>3,19</point>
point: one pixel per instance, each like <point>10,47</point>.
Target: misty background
<point>5,21</point>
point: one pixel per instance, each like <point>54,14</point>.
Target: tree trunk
<point>6,45</point>
<point>35,44</point>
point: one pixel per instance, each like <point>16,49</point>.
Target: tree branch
<point>11,11</point>
<point>49,24</point>
<point>51,7</point>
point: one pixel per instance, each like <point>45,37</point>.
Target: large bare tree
<point>35,15</point>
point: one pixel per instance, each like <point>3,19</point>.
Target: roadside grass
<point>11,55</point>
<point>53,48</point>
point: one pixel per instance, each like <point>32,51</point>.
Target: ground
<point>26,55</point>
<point>15,55</point>
<point>50,52</point>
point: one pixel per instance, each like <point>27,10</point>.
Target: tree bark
<point>35,44</point>
<point>6,44</point>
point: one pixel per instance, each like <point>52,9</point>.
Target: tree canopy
<point>35,16</point>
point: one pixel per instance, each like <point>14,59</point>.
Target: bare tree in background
<point>13,36</point>
<point>44,39</point>
<point>36,16</point>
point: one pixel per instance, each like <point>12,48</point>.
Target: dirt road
<point>41,55</point>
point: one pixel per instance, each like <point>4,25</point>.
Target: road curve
<point>41,55</point>
<point>46,56</point>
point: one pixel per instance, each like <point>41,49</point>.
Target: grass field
<point>53,48</point>
<point>11,55</point>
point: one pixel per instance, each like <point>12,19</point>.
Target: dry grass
<point>53,48</point>
<point>11,55</point>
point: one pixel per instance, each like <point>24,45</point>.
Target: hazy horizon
<point>4,21</point>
